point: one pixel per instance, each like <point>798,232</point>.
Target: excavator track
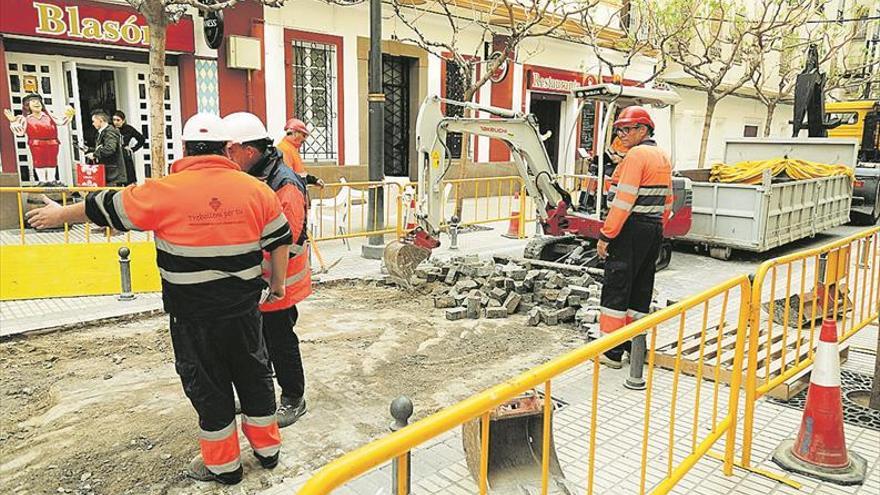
<point>562,249</point>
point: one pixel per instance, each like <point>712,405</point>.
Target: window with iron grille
<point>454,91</point>
<point>314,98</point>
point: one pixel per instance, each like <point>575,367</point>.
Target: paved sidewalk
<point>439,466</point>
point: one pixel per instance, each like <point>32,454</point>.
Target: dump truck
<point>759,217</point>
<point>860,120</point>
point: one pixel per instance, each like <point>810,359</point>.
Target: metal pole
<point>635,381</point>
<point>125,274</point>
<point>376,201</point>
<point>401,410</point>
<point>453,232</point>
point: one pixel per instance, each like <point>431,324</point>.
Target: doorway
<point>97,91</point>
<point>396,84</point>
<point>547,109</point>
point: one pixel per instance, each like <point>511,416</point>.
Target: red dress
<point>42,134</point>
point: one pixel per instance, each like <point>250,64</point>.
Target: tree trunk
<point>874,402</point>
<point>771,109</point>
<point>158,30</point>
<point>707,125</point>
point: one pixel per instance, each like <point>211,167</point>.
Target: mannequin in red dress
<point>41,129</point>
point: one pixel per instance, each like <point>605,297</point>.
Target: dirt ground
<point>100,410</point>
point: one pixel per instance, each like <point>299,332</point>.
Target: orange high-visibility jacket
<point>641,185</point>
<point>290,188</point>
<point>291,156</point>
<point>212,223</point>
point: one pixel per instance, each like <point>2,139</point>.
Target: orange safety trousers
<point>220,449</point>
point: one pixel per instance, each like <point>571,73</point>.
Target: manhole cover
<point>853,413</point>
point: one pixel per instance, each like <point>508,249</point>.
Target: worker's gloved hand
<point>46,217</point>
<point>276,291</point>
<point>602,249</point>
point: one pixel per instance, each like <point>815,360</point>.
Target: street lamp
<point>375,245</point>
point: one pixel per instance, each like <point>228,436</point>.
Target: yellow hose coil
<point>750,172</point>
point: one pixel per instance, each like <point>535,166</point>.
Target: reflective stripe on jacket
<point>641,185</point>
<point>212,223</point>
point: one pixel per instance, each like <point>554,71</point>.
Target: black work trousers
<point>629,271</point>
<point>212,356</point>
<point>283,345</point>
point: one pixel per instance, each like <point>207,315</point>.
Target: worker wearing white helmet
<point>251,148</point>
<point>212,225</point>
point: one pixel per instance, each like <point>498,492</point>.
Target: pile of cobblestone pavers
<point>472,287</point>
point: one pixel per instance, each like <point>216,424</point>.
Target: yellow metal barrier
<point>340,210</point>
<point>669,323</point>
<point>79,233</point>
<point>483,200</point>
<point>790,296</point>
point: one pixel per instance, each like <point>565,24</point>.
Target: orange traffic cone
<point>513,225</point>
<point>820,448</point>
<point>411,216</point>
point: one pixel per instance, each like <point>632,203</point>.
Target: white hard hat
<point>205,127</point>
<point>244,127</point>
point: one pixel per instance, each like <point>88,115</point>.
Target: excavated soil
<point>100,409</point>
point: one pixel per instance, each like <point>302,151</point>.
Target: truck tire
<point>720,252</point>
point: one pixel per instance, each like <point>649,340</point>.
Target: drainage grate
<point>853,413</point>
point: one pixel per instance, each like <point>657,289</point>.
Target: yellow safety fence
<point>679,420</point>
<point>76,260</point>
<point>790,296</point>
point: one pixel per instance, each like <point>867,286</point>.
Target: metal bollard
<point>125,274</point>
<point>401,410</point>
<point>635,381</point>
<point>453,232</point>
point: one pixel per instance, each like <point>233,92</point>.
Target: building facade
<point>312,64</point>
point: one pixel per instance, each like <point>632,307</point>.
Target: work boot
<point>612,363</point>
<point>268,462</point>
<point>290,411</point>
<point>199,472</point>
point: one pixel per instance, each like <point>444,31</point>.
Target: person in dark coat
<point>128,133</point>
<point>108,149</point>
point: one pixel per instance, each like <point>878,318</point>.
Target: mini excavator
<point>570,233</point>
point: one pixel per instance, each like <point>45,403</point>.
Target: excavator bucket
<point>515,449</point>
<point>401,260</point>
<point>820,303</point>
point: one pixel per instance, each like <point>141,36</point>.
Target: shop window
<point>396,83</point>
<point>46,84</point>
<point>314,98</point>
<point>44,69</point>
<point>14,84</point>
<point>13,66</point>
<point>28,68</point>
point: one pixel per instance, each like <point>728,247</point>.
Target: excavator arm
<point>517,130</point>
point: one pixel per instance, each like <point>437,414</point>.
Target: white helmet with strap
<point>205,127</point>
<point>244,127</point>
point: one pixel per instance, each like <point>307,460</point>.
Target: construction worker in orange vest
<point>640,201</point>
<point>251,148</point>
<point>295,134</point>
<point>212,224</point>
